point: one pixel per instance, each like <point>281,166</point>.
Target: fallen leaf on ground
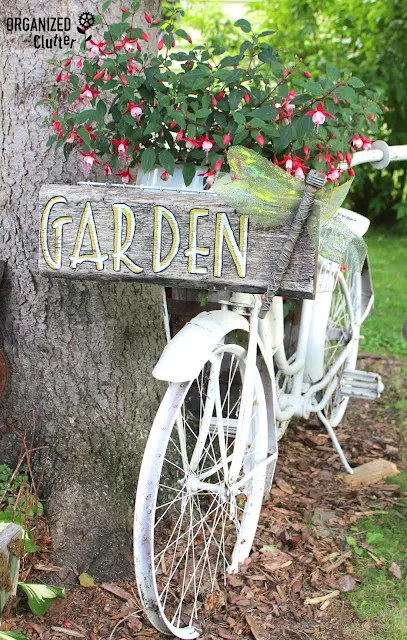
<point>284,486</point>
<point>320,599</point>
<point>224,633</point>
<point>85,580</point>
<point>346,583</point>
<point>395,571</point>
<point>257,628</point>
<point>118,591</point>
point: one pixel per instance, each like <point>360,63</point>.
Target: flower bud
<point>189,39</point>
<point>218,164</point>
<point>214,101</point>
<point>164,176</point>
<point>351,172</point>
<point>160,44</point>
<point>226,139</point>
<point>307,74</point>
<point>147,17</point>
<point>246,98</point>
<point>145,36</point>
<point>260,140</point>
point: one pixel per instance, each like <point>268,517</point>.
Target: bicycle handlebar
<point>379,156</point>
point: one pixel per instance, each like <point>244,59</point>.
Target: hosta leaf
<point>40,596</point>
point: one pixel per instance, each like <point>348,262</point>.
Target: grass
<point>378,598</point>
<point>391,625</point>
<point>388,261</point>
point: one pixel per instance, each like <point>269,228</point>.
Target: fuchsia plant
<point>121,106</point>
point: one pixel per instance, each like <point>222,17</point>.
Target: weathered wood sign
<point>173,239</point>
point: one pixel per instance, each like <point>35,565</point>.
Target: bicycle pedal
<point>361,384</point>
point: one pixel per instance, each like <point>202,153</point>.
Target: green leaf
<point>106,5</point>
<point>202,113</point>
<point>356,82</point>
<point>266,33</point>
<point>6,635</point>
<point>74,96</point>
<point>40,596</point>
<point>86,115</point>
<point>101,108</point>
<point>303,125</point>
<point>166,160</point>
<point>30,547</point>
<point>314,88</point>
<point>147,159</point>
<point>182,34</point>
<point>286,136</point>
<point>373,537</point>
<point>268,112</point>
<point>244,25</point>
<point>235,96</point>
<point>230,61</point>
<point>179,119</point>
<point>188,173</point>
<point>351,541</point>
<point>346,93</point>
<point>82,133</point>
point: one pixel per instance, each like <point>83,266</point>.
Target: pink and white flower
<point>319,115</point>
<point>96,48</point>
<point>135,110</point>
<point>88,160</point>
<point>121,146</point>
<point>125,176</point>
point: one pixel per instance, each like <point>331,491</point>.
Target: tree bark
<point>80,353</point>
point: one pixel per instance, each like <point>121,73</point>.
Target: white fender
<point>186,354</point>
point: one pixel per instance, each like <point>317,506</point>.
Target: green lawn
<point>388,260</point>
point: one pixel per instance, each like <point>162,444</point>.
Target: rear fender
<point>186,354</point>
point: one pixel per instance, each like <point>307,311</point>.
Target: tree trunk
<point>80,353</point>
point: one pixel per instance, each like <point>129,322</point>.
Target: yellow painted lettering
<point>53,263</point>
<point>87,222</point>
<point>193,250</point>
<point>119,247</point>
<point>239,253</point>
<point>159,263</point>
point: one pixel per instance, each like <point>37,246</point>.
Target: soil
<point>299,553</point>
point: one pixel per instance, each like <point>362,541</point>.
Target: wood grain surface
<point>173,239</point>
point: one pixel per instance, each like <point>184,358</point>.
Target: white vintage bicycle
<point>212,450</point>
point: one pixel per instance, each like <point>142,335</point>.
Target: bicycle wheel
<point>193,524</point>
<point>341,330</point>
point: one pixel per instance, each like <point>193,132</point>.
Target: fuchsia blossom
<point>125,176</point>
<point>206,143</point>
<point>135,110</point>
<point>210,178</point>
<point>333,174</point>
<point>319,115</point>
<point>89,93</point>
<point>88,160</point>
<point>121,146</point>
<point>96,48</point>
<point>127,44</point>
<point>132,68</point>
<point>360,142</point>
<point>107,170</point>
